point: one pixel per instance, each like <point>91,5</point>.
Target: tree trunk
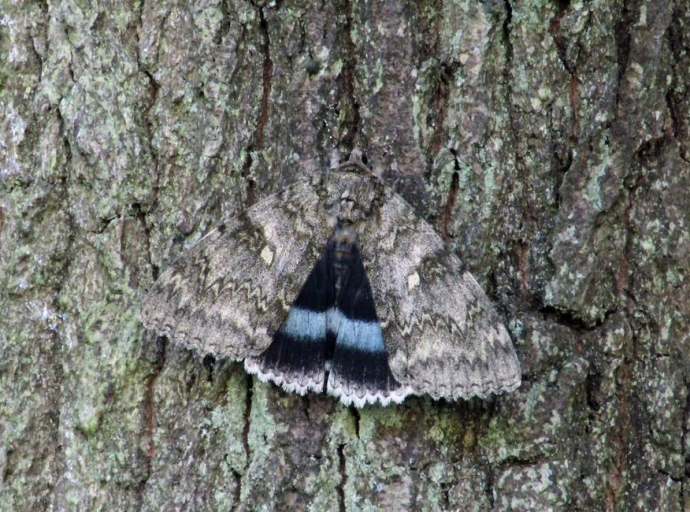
<point>548,142</point>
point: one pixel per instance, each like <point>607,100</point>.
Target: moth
<point>335,285</point>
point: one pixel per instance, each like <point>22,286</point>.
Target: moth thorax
<point>350,209</point>
<point>345,238</point>
<point>351,197</point>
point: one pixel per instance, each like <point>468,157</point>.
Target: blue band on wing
<point>304,324</point>
<point>333,327</point>
<point>308,325</point>
<point>355,334</point>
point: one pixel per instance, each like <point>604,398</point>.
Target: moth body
<point>335,285</point>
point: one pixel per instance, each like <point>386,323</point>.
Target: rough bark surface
<point>548,141</point>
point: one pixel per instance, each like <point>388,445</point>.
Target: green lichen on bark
<point>547,141</point>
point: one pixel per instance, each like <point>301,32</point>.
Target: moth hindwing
<point>335,284</point>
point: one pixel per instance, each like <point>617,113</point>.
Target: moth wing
<point>296,358</point>
<point>230,292</point>
<point>442,334</point>
<point>359,370</point>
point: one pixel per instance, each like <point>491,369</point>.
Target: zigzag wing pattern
<point>230,292</point>
<point>442,334</point>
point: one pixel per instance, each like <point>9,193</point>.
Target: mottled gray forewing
<point>442,334</point>
<point>231,291</point>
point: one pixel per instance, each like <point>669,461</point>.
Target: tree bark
<point>548,142</point>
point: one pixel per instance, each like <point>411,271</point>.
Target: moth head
<point>353,193</point>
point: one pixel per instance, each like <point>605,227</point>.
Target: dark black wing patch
<point>296,358</point>
<point>359,370</point>
<point>331,339</point>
